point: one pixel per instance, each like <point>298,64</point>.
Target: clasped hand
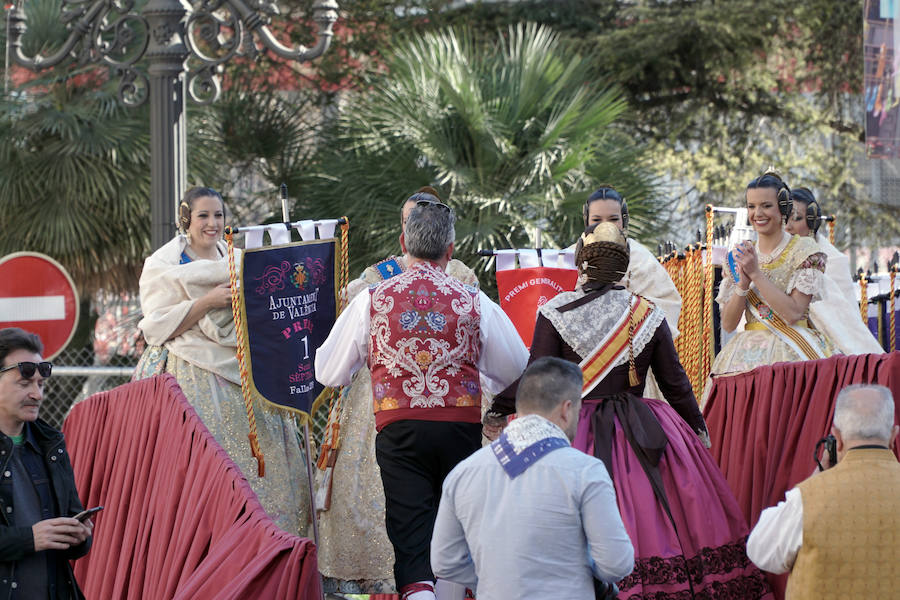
<point>747,262</point>
<point>219,296</point>
<point>60,533</point>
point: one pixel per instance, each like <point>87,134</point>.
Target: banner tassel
<point>245,380</point>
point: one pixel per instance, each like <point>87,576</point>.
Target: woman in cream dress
<point>840,296</point>
<point>188,325</point>
<point>778,277</point>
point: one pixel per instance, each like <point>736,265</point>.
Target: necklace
<point>767,258</point>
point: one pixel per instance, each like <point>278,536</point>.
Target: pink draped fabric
<point>180,521</point>
<point>764,424</point>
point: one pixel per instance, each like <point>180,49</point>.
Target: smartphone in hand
<point>87,514</point>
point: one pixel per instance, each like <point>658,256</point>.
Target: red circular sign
<point>37,294</point>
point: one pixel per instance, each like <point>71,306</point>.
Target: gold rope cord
<point>864,298</point>
<point>831,230</point>
<point>893,330</point>
<point>695,319</point>
<point>708,278</point>
<point>331,439</point>
<point>245,380</point>
<point>678,277</point>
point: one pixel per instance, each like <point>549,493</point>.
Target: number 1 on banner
<point>305,347</point>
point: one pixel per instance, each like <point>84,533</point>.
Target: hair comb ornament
<point>604,232</point>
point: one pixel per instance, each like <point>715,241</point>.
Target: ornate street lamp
<point>186,45</point>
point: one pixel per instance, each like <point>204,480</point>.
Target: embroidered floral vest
<point>424,347</point>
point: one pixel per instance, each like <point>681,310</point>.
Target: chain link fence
<point>75,377</point>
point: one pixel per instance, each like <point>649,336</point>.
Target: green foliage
<point>721,90</point>
<point>516,133</point>
<point>74,185</point>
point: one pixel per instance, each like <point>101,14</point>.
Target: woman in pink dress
<point>686,527</point>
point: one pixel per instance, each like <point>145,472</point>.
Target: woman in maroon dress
<point>688,532</point>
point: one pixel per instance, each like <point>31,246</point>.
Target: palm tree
<point>516,131</point>
<point>75,167</point>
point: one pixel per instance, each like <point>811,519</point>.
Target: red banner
<point>522,291</point>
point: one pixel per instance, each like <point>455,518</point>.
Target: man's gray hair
<point>548,382</point>
<point>865,412</point>
<point>429,231</point>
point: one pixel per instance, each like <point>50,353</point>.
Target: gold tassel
<point>633,379</point>
<point>257,453</point>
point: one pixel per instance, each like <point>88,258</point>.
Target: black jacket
<point>17,541</point>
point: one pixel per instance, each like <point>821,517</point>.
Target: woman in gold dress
<point>776,279</point>
<point>188,325</point>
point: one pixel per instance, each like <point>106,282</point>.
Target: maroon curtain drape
<point>764,424</point>
<point>180,521</point>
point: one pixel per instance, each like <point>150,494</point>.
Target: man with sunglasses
<point>38,536</point>
<point>430,343</point>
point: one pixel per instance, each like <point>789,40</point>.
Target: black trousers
<point>414,457</point>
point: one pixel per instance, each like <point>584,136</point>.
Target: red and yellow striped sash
<point>782,327</point>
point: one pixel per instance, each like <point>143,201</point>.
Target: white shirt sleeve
<point>610,548</point>
<point>451,558</point>
<point>503,356</point>
<point>345,350</point>
<point>775,541</point>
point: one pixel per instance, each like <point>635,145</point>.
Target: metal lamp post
<point>186,45</point>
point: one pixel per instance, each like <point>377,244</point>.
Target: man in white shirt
<point>430,342</point>
<point>837,531</point>
<point>529,516</point>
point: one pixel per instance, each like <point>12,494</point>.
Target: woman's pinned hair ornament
<point>184,216</point>
<point>604,232</point>
<point>602,253</point>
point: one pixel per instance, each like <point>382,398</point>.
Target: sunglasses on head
<point>437,203</point>
<point>426,199</point>
<point>27,369</point>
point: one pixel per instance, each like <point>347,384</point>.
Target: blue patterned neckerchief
<point>525,441</point>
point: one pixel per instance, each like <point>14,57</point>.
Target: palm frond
<point>516,131</point>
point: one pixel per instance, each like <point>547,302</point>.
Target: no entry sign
<point>37,294</point>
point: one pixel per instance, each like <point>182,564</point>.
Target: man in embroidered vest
<point>347,459</point>
<point>529,516</point>
<point>837,531</point>
<point>429,342</point>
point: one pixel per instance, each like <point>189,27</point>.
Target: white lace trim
<point>808,281</point>
<point>527,430</point>
<point>726,290</point>
<point>582,328</point>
